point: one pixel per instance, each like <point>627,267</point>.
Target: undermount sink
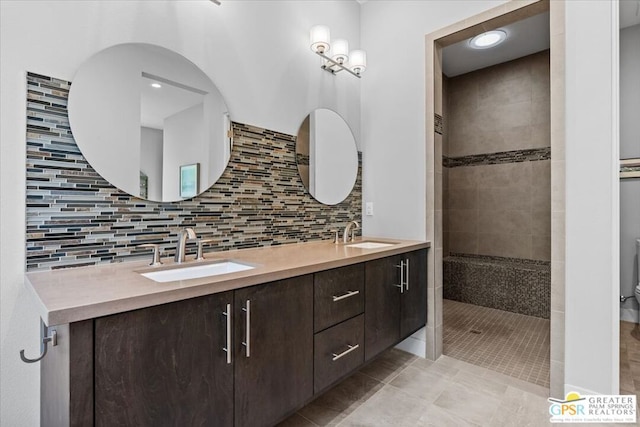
<point>196,271</point>
<point>370,245</point>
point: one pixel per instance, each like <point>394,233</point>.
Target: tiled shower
<point>497,192</point>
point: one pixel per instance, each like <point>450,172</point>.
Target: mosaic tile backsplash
<point>513,156</point>
<point>76,218</point>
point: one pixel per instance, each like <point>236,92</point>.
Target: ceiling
<point>524,38</point>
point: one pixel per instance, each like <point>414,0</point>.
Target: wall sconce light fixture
<point>336,57</point>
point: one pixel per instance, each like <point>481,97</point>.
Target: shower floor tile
<point>512,344</point>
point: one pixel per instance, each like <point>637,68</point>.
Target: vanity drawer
<point>339,295</point>
<point>337,351</point>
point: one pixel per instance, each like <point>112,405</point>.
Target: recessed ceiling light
<point>488,39</point>
<point>156,85</point>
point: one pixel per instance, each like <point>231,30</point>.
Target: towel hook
<point>53,339</point>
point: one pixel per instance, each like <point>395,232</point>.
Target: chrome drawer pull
<point>227,349</point>
<point>247,341</point>
<point>344,353</point>
<point>347,295</point>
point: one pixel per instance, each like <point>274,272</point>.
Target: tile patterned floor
<point>509,343</point>
<point>401,390</point>
<point>630,359</point>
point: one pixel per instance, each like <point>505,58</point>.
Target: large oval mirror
<point>150,122</point>
<point>327,156</point>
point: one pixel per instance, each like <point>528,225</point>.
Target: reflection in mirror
<point>140,113</point>
<point>327,156</point>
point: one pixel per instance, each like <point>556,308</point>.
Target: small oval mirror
<point>327,156</point>
<point>150,122</point>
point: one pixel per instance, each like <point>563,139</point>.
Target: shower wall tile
<point>540,222</point>
<point>75,217</point>
<point>504,221</point>
<point>511,175</point>
<point>463,178</point>
<point>541,247</point>
<point>506,197</point>
<point>465,243</point>
<point>500,108</point>
<point>503,244</point>
<point>463,220</point>
<point>463,199</point>
<point>498,160</point>
<point>507,205</point>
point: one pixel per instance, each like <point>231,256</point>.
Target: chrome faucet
<point>350,227</point>
<point>183,236</point>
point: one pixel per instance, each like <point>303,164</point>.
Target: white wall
<point>393,109</point>
<point>256,53</point>
<point>629,148</point>
<point>592,205</point>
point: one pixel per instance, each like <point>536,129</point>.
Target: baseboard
<point>583,391</point>
<point>413,346</point>
<point>629,315</point>
<point>420,334</point>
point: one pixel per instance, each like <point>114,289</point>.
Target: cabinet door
<point>382,305</point>
<point>273,350</point>
<point>164,365</point>
<point>413,309</point>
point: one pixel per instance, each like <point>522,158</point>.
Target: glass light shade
<point>488,39</point>
<point>320,38</point>
<point>358,61</point>
<point>340,52</point>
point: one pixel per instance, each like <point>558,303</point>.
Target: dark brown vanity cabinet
<point>164,365</point>
<point>339,324</point>
<point>413,301</point>
<point>170,365</point>
<point>395,299</point>
<point>273,358</point>
<point>244,357</point>
<point>339,295</point>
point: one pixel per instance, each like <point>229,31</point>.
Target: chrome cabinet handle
<point>247,339</point>
<point>406,283</point>
<point>401,285</point>
<point>344,353</point>
<point>227,349</point>
<point>347,295</point>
